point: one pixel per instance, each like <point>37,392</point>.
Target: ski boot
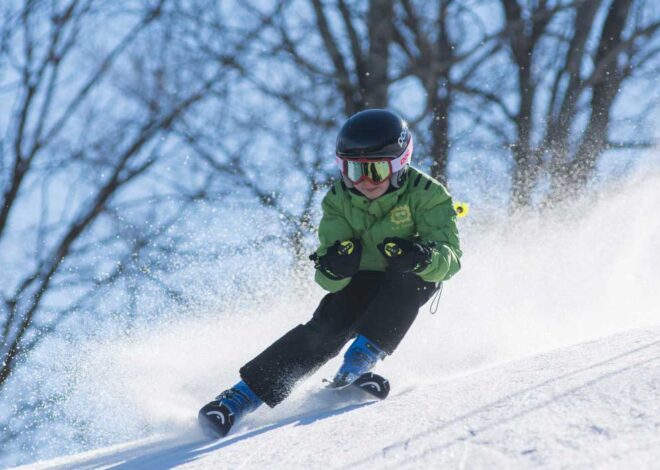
<point>218,416</point>
<point>361,356</point>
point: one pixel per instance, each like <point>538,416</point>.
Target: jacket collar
<point>381,206</point>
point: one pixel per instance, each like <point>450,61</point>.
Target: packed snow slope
<point>595,404</point>
<point>511,371</point>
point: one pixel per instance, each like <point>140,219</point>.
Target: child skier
<point>388,237</point>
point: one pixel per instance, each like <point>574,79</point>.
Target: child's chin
<point>370,194</point>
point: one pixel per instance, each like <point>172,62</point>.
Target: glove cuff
<point>329,274</point>
<point>323,268</point>
<point>424,258</point>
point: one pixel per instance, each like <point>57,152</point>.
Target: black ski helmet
<point>375,133</point>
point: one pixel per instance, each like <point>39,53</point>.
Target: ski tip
<point>373,384</point>
<point>215,420</point>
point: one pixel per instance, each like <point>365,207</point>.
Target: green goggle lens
<point>375,171</point>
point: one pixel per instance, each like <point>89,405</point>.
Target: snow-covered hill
<point>515,370</point>
<point>594,404</point>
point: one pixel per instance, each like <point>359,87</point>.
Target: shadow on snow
<point>169,453</point>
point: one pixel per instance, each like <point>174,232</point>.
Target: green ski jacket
<point>421,209</point>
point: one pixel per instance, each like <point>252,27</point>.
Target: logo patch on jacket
<point>401,215</point>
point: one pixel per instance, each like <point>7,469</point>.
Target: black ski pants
<point>378,305</point>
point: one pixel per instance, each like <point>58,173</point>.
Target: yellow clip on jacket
<point>421,209</point>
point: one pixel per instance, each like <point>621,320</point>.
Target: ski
<point>215,420</point>
<point>372,384</point>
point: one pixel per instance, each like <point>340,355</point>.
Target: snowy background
<point>489,380</point>
<point>221,142</point>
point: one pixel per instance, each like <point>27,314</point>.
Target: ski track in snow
<point>595,404</point>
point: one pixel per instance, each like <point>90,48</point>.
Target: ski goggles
<point>374,170</point>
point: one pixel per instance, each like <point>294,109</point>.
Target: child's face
<point>372,190</point>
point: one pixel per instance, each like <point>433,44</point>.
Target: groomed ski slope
<point>591,405</point>
<point>517,369</point>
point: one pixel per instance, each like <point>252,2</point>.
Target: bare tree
<point>359,54</point>
<point>436,38</point>
<point>353,74</point>
<point>617,58</point>
<point>542,86</point>
<point>570,66</point>
<point>83,140</point>
<point>341,44</point>
<point>362,73</point>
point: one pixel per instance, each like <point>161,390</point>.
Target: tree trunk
<point>380,26</point>
<point>440,134</point>
<point>607,78</point>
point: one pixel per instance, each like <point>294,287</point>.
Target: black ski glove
<point>342,259</point>
<point>404,255</point>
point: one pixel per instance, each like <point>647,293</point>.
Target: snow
<point>543,354</point>
<point>593,404</point>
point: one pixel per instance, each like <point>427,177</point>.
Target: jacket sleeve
<point>333,226</point>
<point>436,221</point>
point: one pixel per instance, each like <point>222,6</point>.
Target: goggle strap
<point>340,163</point>
<point>400,162</point>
